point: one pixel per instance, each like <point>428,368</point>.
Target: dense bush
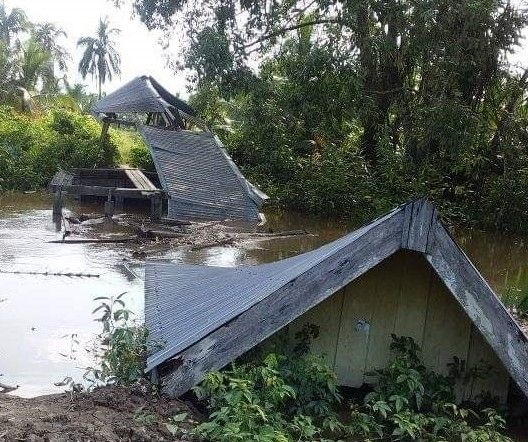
<point>347,108</point>
<point>140,157</point>
<point>282,398</point>
<point>33,148</point>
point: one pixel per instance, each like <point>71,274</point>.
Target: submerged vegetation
<point>121,348</point>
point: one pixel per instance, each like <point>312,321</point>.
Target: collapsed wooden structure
<point>195,176</point>
<point>402,274</point>
<point>114,184</point>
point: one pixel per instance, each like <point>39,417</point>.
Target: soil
<point>105,414</point>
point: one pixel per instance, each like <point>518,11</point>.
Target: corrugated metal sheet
<point>141,95</point>
<point>184,303</point>
<point>137,95</point>
<point>200,178</point>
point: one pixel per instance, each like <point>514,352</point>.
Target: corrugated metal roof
<point>141,95</point>
<point>184,303</point>
<point>199,176</point>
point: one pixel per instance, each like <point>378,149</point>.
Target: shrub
<point>121,347</point>
<point>32,149</point>
<point>295,397</point>
<point>140,157</point>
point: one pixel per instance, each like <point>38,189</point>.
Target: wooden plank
<point>327,317</point>
<point>355,330</point>
<point>497,326</point>
<point>375,243</point>
<point>414,295</point>
<point>447,329</point>
<point>385,305</point>
<point>103,191</point>
<point>139,180</point>
<point>419,216</point>
<point>495,382</point>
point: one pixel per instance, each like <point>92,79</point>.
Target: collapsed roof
<point>205,317</point>
<point>196,172</point>
<point>141,95</point>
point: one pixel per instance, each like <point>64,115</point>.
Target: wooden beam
<point>139,179</point>
<point>374,243</point>
<point>57,202</point>
<point>483,307</point>
<point>420,215</point>
<point>103,191</point>
<point>156,207</point>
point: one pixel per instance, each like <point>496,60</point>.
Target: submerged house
<point>401,274</point>
<point>194,173</point>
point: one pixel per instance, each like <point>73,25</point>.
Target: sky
<point>140,50</point>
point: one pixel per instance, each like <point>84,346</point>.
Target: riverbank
<point>106,414</point>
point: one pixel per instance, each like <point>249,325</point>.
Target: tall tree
<point>408,56</point>
<point>12,23</point>
<point>100,58</point>
<point>33,65</point>
<point>47,35</point>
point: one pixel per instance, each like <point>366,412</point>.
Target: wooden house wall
<point>403,296</point>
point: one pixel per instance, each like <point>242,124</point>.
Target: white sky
<point>140,50</point>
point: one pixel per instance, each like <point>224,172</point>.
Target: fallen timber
<point>94,240</point>
<point>193,236</point>
<point>4,388</point>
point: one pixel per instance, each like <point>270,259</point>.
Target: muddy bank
<point>106,414</point>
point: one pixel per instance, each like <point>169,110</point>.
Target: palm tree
<point>33,65</point>
<point>11,24</point>
<point>47,34</point>
<point>100,58</point>
<point>78,93</point>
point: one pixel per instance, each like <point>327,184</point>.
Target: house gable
<point>308,280</point>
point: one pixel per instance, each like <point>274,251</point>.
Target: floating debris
<point>69,274</point>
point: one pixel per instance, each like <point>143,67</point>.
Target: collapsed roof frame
<point>145,95</point>
<point>268,297</point>
<point>199,178</point>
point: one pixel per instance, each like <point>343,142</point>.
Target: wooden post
<point>109,206</point>
<point>57,203</point>
<point>119,203</point>
<point>155,207</point>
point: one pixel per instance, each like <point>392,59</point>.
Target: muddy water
<point>47,329</point>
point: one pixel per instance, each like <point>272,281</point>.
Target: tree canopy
<point>345,105</point>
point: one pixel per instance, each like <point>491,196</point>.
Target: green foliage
<point>278,399</point>
<point>357,106</point>
<point>134,152</point>
<point>122,344</point>
<point>295,397</point>
<point>33,148</point>
<point>517,300</point>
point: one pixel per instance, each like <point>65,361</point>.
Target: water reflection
<point>46,323</point>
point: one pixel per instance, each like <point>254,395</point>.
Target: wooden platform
<point>128,183</point>
<point>113,184</point>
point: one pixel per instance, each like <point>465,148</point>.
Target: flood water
<point>47,328</point>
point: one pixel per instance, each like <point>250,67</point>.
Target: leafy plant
<point>122,345</point>
<point>295,397</point>
<point>33,149</point>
